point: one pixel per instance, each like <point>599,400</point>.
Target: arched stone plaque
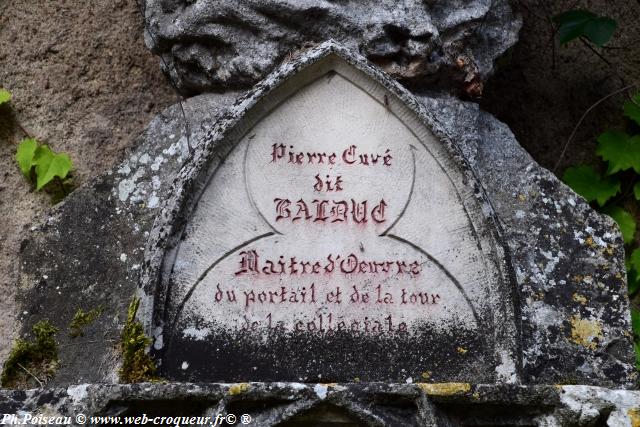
<point>325,231</point>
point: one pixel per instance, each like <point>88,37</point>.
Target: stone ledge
<point>271,404</point>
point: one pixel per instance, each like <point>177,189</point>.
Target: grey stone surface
<point>435,214</point>
<point>88,251</point>
<point>218,45</point>
<point>567,259</point>
<point>297,404</point>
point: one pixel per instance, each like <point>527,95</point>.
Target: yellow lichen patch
<point>579,298</point>
<point>567,380</point>
<point>356,380</point>
<point>461,350</point>
<point>589,242</point>
<point>445,389</point>
<point>586,333</point>
<point>521,197</point>
<point>238,388</point>
<point>634,416</point>
<point>609,250</point>
<point>426,375</point>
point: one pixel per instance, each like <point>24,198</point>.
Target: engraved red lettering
<point>359,211</point>
<point>377,214</point>
<point>348,155</point>
<point>303,209</point>
<point>248,262</point>
<point>321,214</point>
<point>282,209</point>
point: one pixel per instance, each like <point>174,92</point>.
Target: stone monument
<point>329,215</point>
<point>321,244</point>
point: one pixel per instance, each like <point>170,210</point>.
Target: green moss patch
<point>81,320</point>
<point>137,365</point>
<point>34,362</point>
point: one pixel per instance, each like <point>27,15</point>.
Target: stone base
<point>353,404</point>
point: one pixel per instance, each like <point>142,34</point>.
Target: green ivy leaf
<point>42,160</point>
<point>590,185</point>
<point>24,155</point>
<point>600,30</point>
<point>632,108</point>
<point>625,221</point>
<point>60,167</point>
<point>582,23</point>
<point>49,165</point>
<point>42,156</point>
<point>571,24</point>
<point>5,96</point>
<point>620,150</point>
